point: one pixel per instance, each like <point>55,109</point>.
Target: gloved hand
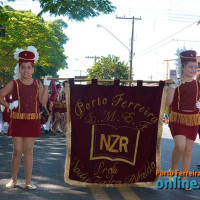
<point>2,108</point>
<point>14,104</point>
<point>47,82</point>
<point>198,105</point>
<point>177,83</point>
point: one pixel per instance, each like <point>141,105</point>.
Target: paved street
<point>48,175</point>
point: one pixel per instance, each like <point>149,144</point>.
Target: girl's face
<point>26,69</point>
<point>190,69</point>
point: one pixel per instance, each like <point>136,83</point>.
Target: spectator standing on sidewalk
<point>25,125</point>
<point>183,96</point>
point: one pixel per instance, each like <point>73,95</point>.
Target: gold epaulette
<point>187,119</point>
<point>29,116</point>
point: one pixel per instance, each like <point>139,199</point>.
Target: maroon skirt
<point>24,128</point>
<point>189,132</point>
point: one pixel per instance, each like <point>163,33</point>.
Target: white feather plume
<point>17,52</point>
<point>16,71</point>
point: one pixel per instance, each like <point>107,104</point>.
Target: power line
<point>153,49</point>
<point>173,20</point>
<point>153,46</point>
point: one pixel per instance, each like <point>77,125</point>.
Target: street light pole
<point>132,39</point>
<point>80,62</point>
<point>130,50</point>
<point>100,26</point>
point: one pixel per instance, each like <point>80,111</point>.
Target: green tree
<point>108,68</point>
<point>77,10</point>
<point>23,29</point>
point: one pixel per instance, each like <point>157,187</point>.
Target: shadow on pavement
<point>48,173</point>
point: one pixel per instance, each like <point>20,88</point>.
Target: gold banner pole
<point>107,80</point>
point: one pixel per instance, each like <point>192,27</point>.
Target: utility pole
<point>167,72</point>
<point>132,39</point>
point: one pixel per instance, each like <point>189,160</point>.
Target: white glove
<point>177,83</point>
<point>2,108</point>
<point>198,105</point>
<point>14,104</point>
<point>47,82</point>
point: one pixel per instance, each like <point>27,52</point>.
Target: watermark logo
<point>177,183</point>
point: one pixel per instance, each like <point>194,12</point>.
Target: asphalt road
<point>48,175</point>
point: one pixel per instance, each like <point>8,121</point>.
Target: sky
<point>165,26</point>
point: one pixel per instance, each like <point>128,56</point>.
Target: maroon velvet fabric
<point>24,128</point>
<point>29,103</point>
<point>187,89</point>
<point>6,112</point>
<point>114,133</point>
<point>188,56</point>
<point>6,115</point>
<point>189,132</point>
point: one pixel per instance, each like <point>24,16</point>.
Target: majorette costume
<point>186,95</point>
<point>63,102</point>
<point>63,99</point>
<point>25,119</point>
<point>59,105</point>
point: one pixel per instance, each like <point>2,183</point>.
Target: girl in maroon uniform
<point>184,119</point>
<point>25,125</point>
<point>63,110</point>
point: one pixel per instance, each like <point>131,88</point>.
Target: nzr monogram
<point>108,142</point>
<point>114,143</point>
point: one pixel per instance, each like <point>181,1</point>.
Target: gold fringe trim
<point>159,132</point>
<point>19,106</point>
<point>68,138</point>
<point>36,97</point>
<point>62,105</point>
<point>29,116</point>
<point>68,142</point>
<point>187,119</point>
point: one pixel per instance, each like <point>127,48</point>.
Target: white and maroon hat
<point>188,56</point>
<point>29,55</point>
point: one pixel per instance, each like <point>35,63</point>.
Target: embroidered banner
<point>114,134</point>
